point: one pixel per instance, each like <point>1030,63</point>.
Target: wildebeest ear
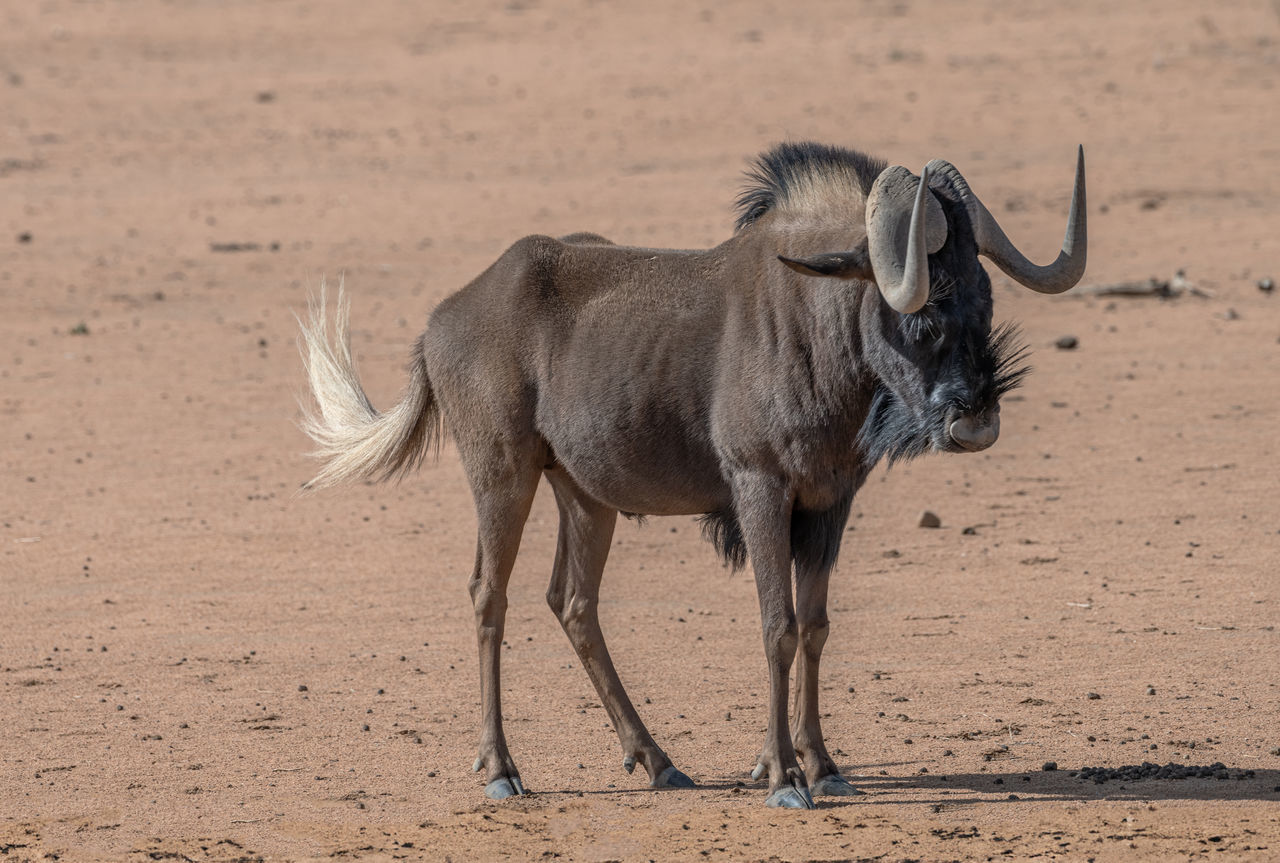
<point>854,264</point>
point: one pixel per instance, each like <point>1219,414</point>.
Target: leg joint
<point>780,639</point>
<point>813,635</point>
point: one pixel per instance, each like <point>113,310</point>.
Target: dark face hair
<point>947,361</point>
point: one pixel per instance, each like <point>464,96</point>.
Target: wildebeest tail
<point>354,439</point>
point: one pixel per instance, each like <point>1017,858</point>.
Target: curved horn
<point>1055,278</point>
<point>901,264</point>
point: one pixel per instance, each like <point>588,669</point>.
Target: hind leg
<point>503,483</point>
<point>586,531</point>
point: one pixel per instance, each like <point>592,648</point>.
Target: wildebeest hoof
<point>790,797</point>
<point>504,787</point>
<point>834,785</point>
<point>629,763</point>
<point>672,778</point>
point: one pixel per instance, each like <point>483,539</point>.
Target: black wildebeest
<point>755,384</point>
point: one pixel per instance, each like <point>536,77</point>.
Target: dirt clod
<point>1172,770</point>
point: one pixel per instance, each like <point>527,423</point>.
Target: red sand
<point>166,595</point>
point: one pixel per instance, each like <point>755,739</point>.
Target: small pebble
<point>930,519</point>
<point>1049,766</point>
<point>1266,285</point>
<point>1151,690</point>
<point>1067,343</point>
<point>1093,696</point>
<point>302,687</point>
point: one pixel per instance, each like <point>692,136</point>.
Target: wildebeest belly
<point>636,442</point>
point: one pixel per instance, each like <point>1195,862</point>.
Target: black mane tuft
<point>815,536</point>
<point>777,173</point>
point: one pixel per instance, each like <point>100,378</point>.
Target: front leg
<point>806,727</point>
<point>763,507</point>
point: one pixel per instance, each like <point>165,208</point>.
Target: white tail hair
<point>354,439</point>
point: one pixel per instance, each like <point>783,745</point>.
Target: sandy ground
<point>197,664</point>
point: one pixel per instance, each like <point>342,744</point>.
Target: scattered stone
<point>24,237</point>
<point>1049,766</point>
<point>930,519</point>
<point>1266,285</point>
<point>302,687</point>
<point>970,531</point>
<point>235,247</point>
<point>1093,696</point>
<point>1067,343</point>
<point>265,96</point>
<point>1151,690</point>
<point>1163,289</point>
<point>80,329</point>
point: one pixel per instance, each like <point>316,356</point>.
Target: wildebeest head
<point>941,366</point>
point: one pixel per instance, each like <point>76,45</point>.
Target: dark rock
<point>1067,343</point>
